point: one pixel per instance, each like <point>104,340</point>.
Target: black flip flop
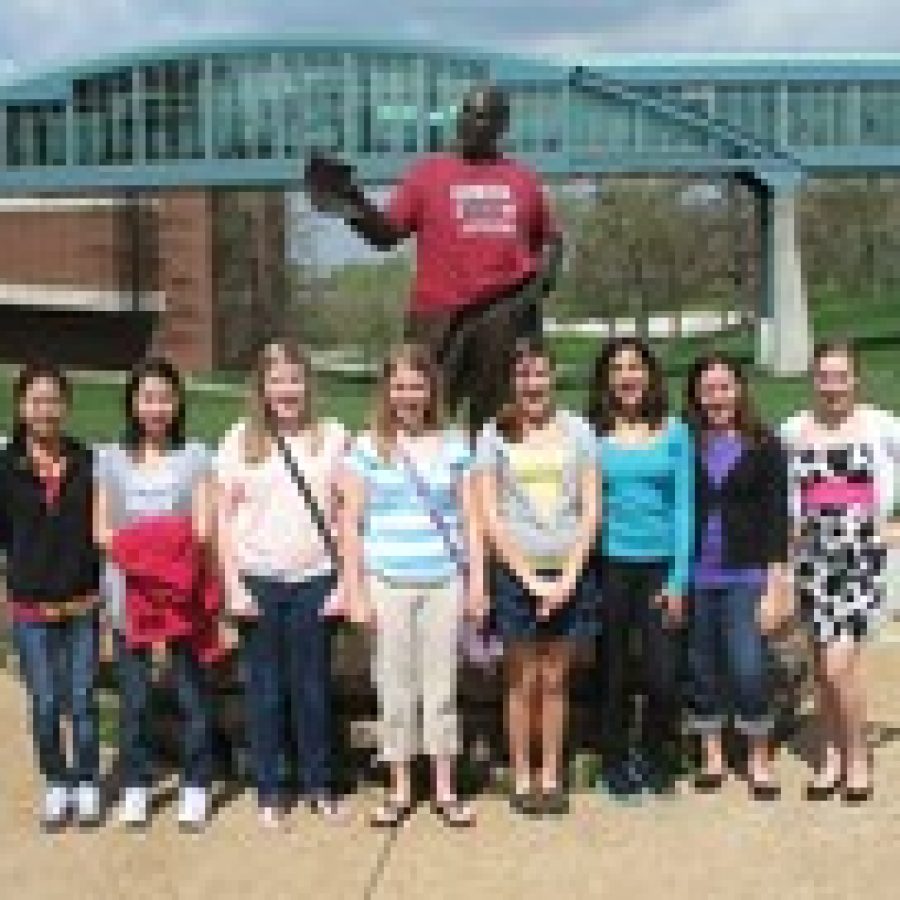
<point>709,782</point>
<point>820,792</point>
<point>855,796</point>
<point>764,790</point>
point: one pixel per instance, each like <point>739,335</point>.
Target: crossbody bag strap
<point>440,523</point>
<point>309,499</point>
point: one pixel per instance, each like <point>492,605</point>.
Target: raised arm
<point>332,190</point>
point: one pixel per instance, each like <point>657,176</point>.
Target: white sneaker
<point>87,804</point>
<point>193,808</point>
<point>270,817</point>
<point>55,808</point>
<point>135,809</point>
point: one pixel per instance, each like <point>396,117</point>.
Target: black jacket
<point>51,554</point>
<point>753,501</point>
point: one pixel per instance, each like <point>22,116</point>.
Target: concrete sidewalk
<point>687,847</point>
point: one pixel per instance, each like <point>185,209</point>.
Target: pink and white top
<point>839,491</point>
<point>874,427</point>
<point>272,531</point>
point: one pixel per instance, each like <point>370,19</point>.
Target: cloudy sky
<point>38,34</point>
<point>35,33</point>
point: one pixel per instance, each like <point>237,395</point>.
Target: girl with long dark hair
<point>157,478</point>
<point>647,471</point>
<point>740,568</point>
<point>46,508</point>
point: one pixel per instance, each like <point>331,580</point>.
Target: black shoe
<point>855,796</point>
<point>656,775</point>
<point>619,782</point>
<point>820,792</point>
<point>709,782</point>
<point>764,790</point>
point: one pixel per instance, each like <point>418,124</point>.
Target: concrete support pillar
<point>784,339</point>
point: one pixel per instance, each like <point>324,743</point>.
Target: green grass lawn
<point>874,323</point>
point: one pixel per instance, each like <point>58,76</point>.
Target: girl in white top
<point>280,571</point>
<point>843,461</point>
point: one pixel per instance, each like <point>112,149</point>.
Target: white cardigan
<point>880,428</point>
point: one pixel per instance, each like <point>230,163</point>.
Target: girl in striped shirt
<point>410,549</point>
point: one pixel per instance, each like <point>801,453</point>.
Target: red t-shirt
<point>480,227</point>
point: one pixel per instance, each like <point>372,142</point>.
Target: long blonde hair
<point>257,443</point>
<point>420,359</point>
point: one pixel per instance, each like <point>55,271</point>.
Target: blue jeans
<point>191,688</point>
<point>728,660</point>
<point>59,665</point>
<point>288,684</point>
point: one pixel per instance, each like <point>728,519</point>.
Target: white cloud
<point>37,34</point>
<point>8,70</point>
<point>751,26</point>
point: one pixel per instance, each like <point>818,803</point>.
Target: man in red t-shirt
<point>487,248</point>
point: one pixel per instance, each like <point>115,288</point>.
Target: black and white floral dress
<point>840,558</point>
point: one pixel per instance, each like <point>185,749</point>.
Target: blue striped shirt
<point>401,542</point>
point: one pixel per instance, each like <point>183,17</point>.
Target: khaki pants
<point>416,662</point>
<point>478,367</point>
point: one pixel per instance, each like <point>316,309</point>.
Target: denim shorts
<point>515,609</point>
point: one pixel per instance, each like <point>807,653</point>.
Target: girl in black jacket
<point>46,509</point>
<point>738,575</point>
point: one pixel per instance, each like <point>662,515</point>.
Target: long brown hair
<point>258,433</point>
<point>748,422</point>
<point>163,370</point>
<point>602,405</point>
<point>420,359</point>
<point>27,376</point>
<point>510,421</point>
